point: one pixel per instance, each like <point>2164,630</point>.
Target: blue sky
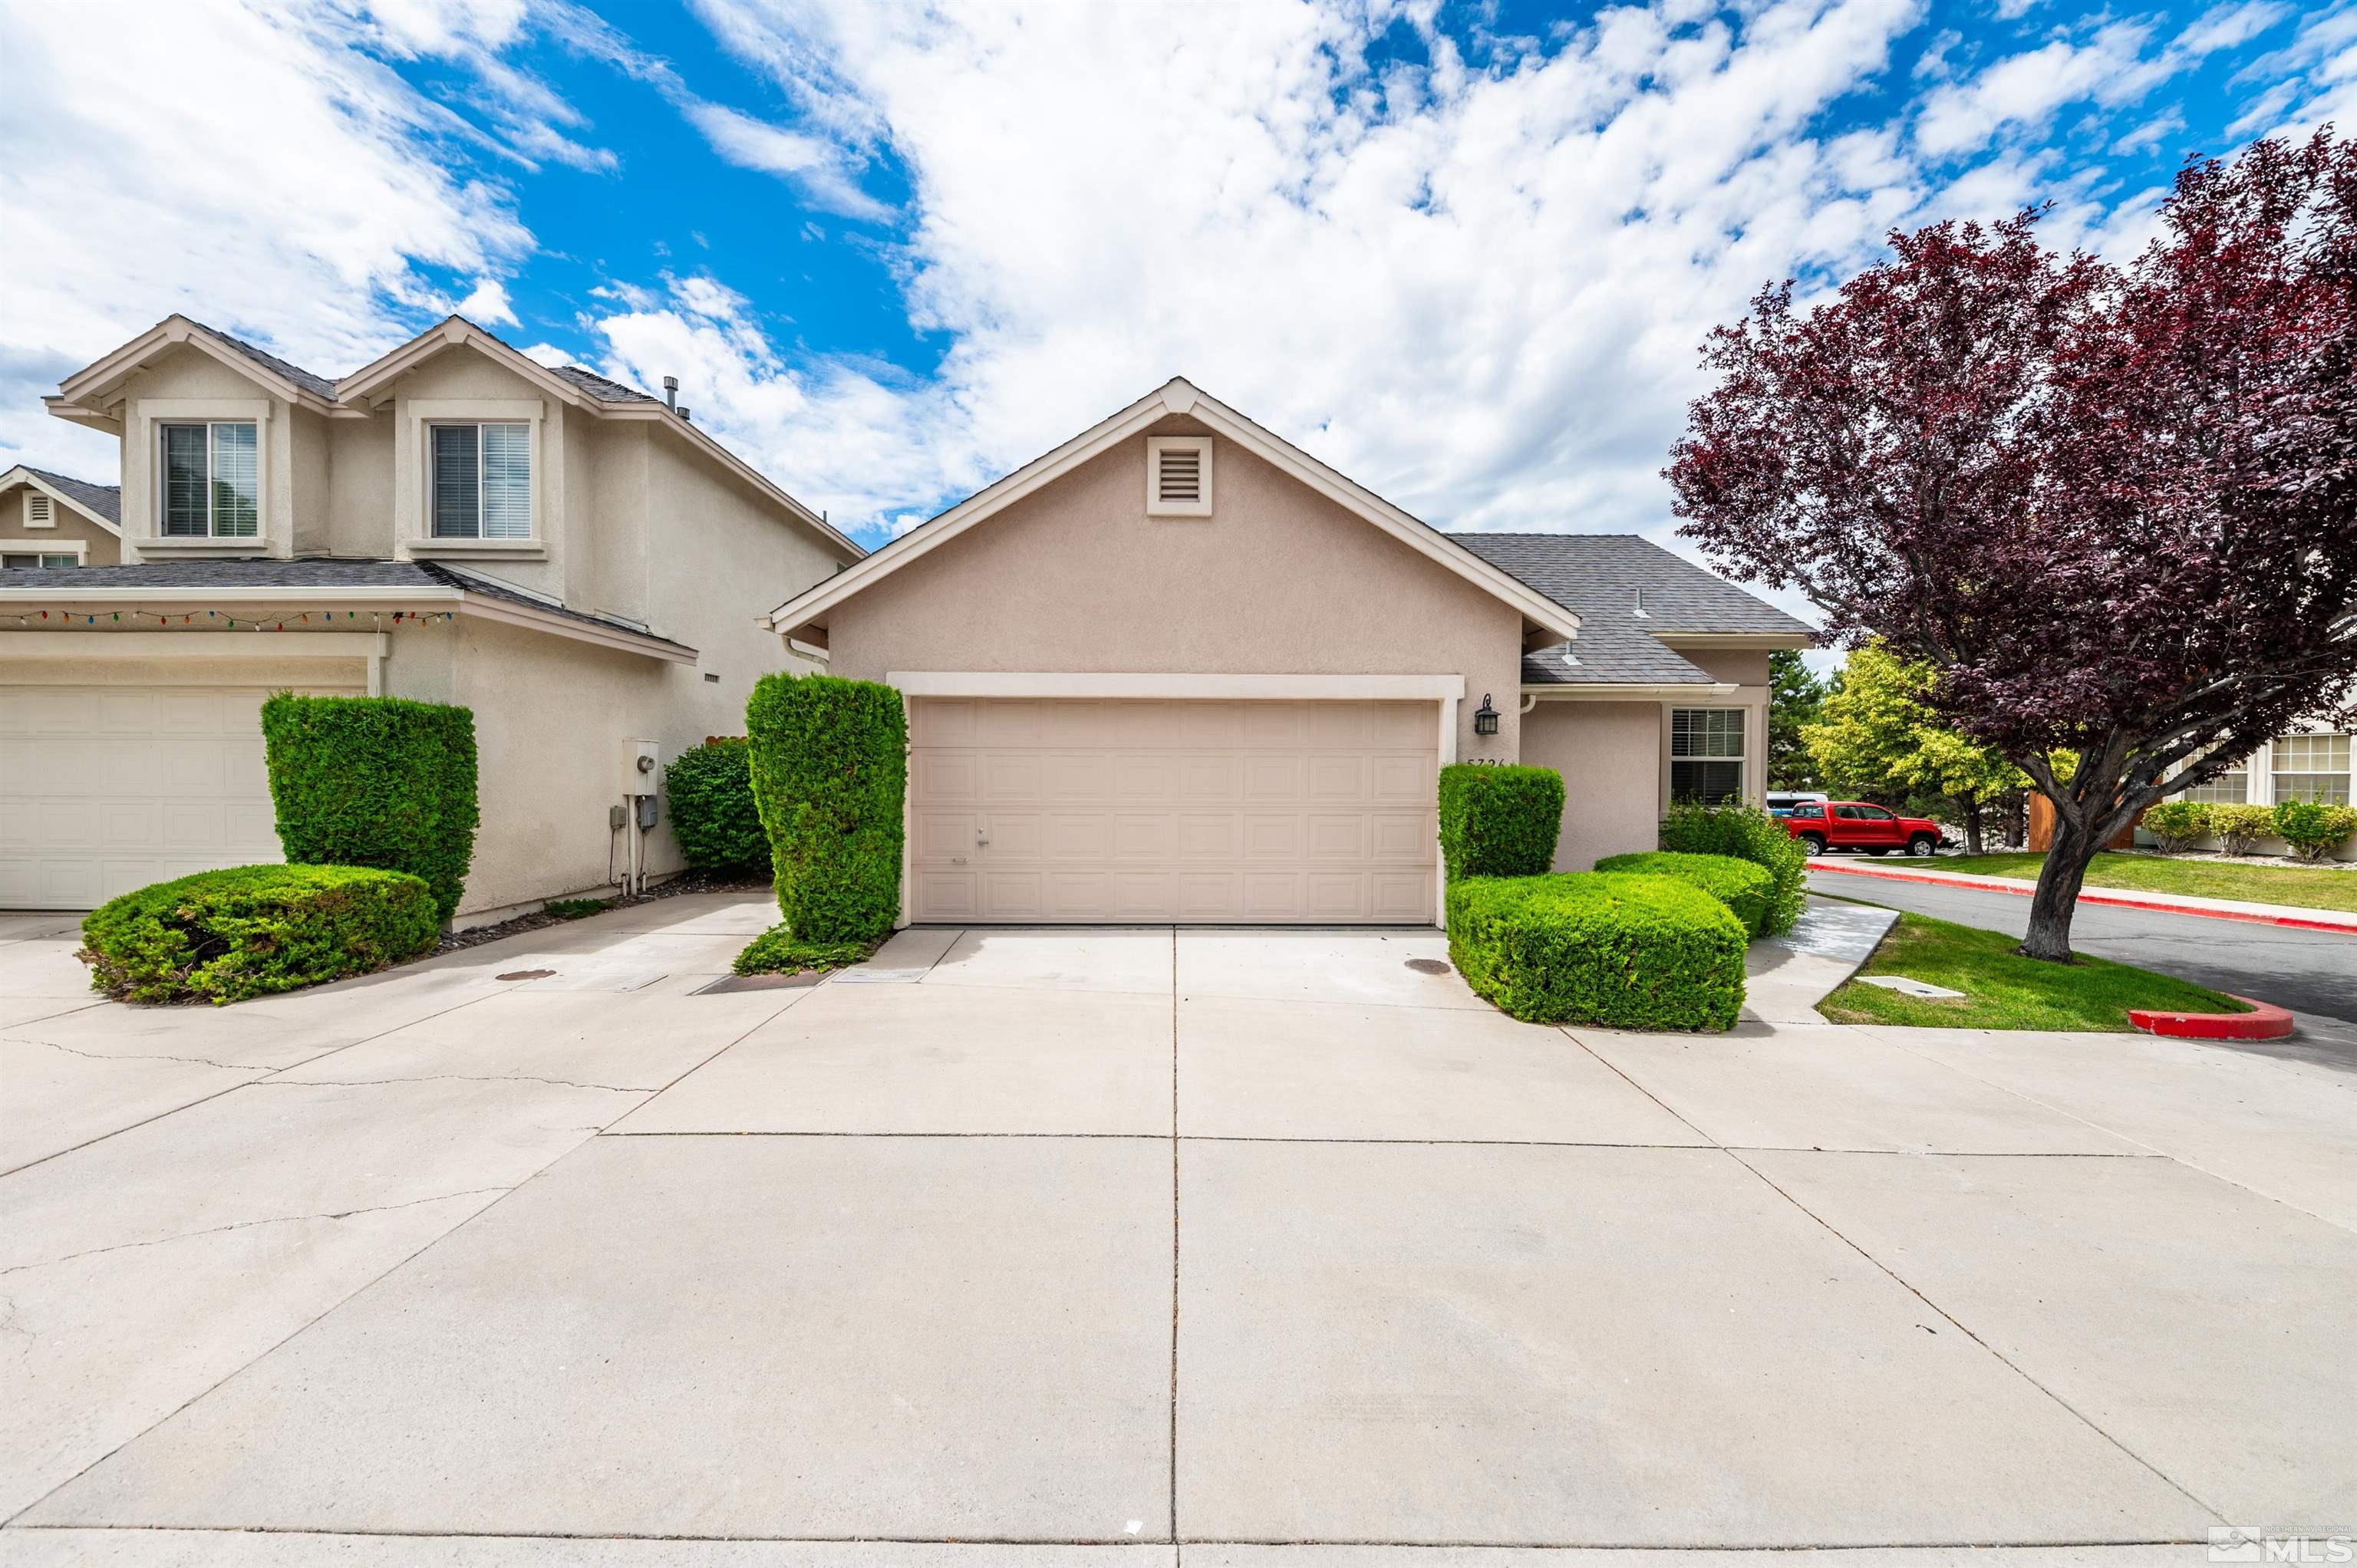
<point>1464,253</point>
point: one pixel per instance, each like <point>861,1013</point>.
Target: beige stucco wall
<point>1608,753</point>
<point>1278,580</point>
<point>551,716</point>
<point>103,549</point>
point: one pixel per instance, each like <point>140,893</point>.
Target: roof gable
<point>1177,397</point>
<point>102,504</point>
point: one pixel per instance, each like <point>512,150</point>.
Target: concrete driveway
<point>1047,1247</point>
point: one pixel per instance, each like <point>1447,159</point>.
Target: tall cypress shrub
<point>830,764</point>
<point>379,781</point>
<point>1498,821</point>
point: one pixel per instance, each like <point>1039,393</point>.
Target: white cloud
<point>812,163</point>
<point>310,229</point>
<point>2025,90</point>
<point>1481,293</point>
<point>488,306</point>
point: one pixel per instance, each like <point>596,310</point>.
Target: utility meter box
<point>642,766</point>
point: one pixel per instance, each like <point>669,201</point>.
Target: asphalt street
<point>2314,973</point>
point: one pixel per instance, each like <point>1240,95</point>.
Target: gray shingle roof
<point>106,584</point>
<point>598,386</point>
<point>104,500</point>
<point>320,385</point>
<point>1601,576</point>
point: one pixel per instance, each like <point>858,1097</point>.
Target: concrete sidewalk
<point>2123,898</point>
<point>1115,1247</point>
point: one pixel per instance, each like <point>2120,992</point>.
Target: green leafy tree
<point>1877,737</point>
<point>1795,696</point>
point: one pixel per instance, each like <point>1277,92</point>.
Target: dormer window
<point>482,481</point>
<point>1178,475</point>
<point>212,485</point>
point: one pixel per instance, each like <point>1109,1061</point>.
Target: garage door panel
<point>1393,777</point>
<point>946,777</point>
<point>112,787</point>
<point>1261,812</point>
<point>1338,778</point>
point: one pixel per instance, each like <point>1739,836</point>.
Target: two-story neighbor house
<point>572,559</point>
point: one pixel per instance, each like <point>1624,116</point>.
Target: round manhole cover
<point>1427,966</point>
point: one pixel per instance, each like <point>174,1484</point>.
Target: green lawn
<point>2004,990</point>
<point>2306,887</point>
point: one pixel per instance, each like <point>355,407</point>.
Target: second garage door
<point>1239,812</point>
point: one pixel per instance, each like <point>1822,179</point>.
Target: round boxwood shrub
<point>2240,828</point>
<point>1498,821</point>
<point>2313,829</point>
<point>711,810</point>
<point>1595,947</point>
<point>1746,833</point>
<point>223,935</point>
<point>2178,825</point>
<point>1744,887</point>
<point>379,781</point>
<point>830,765</point>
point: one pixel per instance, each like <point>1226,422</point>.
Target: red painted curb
<point>2343,927</point>
<point>2264,1022</point>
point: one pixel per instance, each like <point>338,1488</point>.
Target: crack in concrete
<point>137,1055</point>
<point>250,1224</point>
<point>277,1082</point>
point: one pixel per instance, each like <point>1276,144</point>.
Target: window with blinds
<point>1707,755</point>
<point>482,481</point>
<point>2312,767</point>
<point>212,484</point>
<point>1178,475</point>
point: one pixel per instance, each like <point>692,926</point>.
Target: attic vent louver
<point>1178,475</point>
<point>38,512</point>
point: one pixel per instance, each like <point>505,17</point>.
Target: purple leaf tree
<point>2115,508</point>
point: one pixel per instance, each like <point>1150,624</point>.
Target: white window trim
<point>1670,758</point>
<point>1155,446</point>
<point>155,412</point>
<point>414,476</point>
<point>77,548</point>
<point>48,504</point>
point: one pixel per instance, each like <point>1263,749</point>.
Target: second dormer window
<point>482,481</point>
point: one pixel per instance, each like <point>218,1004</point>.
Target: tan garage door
<point>1242,812</point>
<point>111,787</point>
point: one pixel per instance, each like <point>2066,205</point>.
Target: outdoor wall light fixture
<point>1485,717</point>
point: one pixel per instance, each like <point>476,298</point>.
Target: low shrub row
<point>249,930</point>
<point>1746,833</point>
<point>2310,829</point>
<point>1747,888</point>
<point>1604,947</point>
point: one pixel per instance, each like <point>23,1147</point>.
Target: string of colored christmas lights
<point>378,619</point>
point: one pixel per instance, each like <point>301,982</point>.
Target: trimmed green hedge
<point>1745,887</point>
<point>1498,821</point>
<point>1594,947</point>
<point>712,812</point>
<point>1746,833</point>
<point>378,781</point>
<point>224,936</point>
<point>2178,825</point>
<point>830,765</point>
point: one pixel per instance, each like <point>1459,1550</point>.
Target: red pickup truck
<point>1853,825</point>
